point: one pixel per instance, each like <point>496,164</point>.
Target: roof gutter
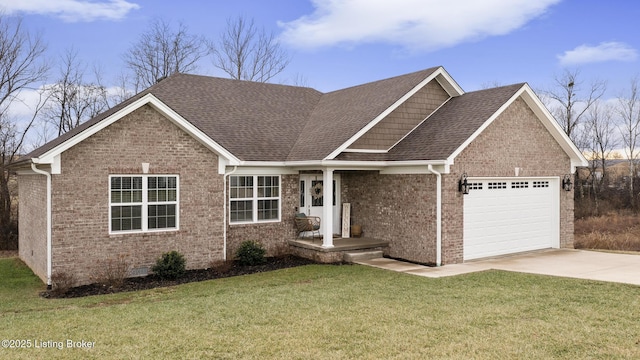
<point>49,259</point>
<point>438,214</point>
<point>346,164</point>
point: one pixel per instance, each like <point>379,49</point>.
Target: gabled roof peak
<point>251,121</point>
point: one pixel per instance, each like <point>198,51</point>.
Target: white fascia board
<point>365,151</point>
<point>265,170</point>
<point>56,166</point>
<point>422,169</point>
<point>440,74</point>
<point>448,83</point>
<point>541,112</point>
<point>149,99</point>
<point>390,167</point>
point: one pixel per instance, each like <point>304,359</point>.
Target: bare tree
<point>72,99</point>
<point>245,52</point>
<point>121,90</point>
<point>571,101</point>
<point>296,80</point>
<point>629,112</point>
<point>490,84</point>
<point>599,120</point>
<point>21,66</point>
<point>162,51</point>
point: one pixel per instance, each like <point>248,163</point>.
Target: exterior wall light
<point>566,182</point>
<point>463,185</point>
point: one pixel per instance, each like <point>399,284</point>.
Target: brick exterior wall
<point>272,235</point>
<point>404,118</point>
<point>81,240</point>
<point>32,223</point>
<point>400,209</point>
<point>515,139</point>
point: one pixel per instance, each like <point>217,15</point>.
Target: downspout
<point>438,214</point>
<point>224,208</point>
<point>49,258</point>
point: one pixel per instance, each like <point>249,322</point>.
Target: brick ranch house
<point>200,164</point>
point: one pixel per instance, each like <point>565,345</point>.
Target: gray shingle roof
<point>269,122</point>
<point>452,124</point>
<point>254,121</point>
<point>447,129</point>
<point>341,114</point>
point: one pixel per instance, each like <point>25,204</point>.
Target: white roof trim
<point>441,76</point>
<point>49,156</point>
<point>347,165</point>
<point>367,151</point>
<point>549,122</point>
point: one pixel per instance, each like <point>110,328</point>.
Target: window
<point>143,203</point>
<point>540,184</point>
<point>497,185</point>
<point>254,198</point>
<point>520,185</point>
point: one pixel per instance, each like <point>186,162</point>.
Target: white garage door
<point>503,216</point>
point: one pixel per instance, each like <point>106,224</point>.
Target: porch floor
<point>339,244</point>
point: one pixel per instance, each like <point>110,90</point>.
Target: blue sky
<point>340,43</point>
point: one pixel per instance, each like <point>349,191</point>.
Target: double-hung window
<point>140,203</point>
<point>254,198</point>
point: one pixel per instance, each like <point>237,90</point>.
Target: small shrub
<point>170,265</point>
<point>251,253</point>
<point>112,272</point>
<point>61,282</point>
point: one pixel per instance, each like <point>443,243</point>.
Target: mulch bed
<point>8,253</point>
<point>232,268</point>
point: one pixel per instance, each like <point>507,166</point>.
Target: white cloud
<point>414,24</point>
<point>25,103</point>
<point>71,10</point>
<point>606,51</point>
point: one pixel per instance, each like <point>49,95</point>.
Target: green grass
<point>331,312</point>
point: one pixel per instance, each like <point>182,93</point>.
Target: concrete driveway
<point>581,264</point>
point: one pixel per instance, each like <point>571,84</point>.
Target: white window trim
<point>254,201</point>
<point>145,203</point>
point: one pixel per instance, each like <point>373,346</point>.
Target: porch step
<point>352,257</point>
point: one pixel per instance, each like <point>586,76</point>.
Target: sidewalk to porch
<point>312,248</point>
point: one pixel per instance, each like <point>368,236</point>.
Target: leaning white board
<point>346,220</point>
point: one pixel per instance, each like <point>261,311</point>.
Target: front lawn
<point>328,312</point>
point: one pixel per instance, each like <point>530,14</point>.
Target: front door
<point>312,197</point>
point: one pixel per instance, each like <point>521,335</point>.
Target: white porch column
<point>327,208</point>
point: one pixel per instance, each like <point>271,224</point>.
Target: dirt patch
<point>229,269</point>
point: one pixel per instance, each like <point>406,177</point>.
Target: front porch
<point>313,249</point>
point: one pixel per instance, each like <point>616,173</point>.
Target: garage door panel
<point>509,215</point>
